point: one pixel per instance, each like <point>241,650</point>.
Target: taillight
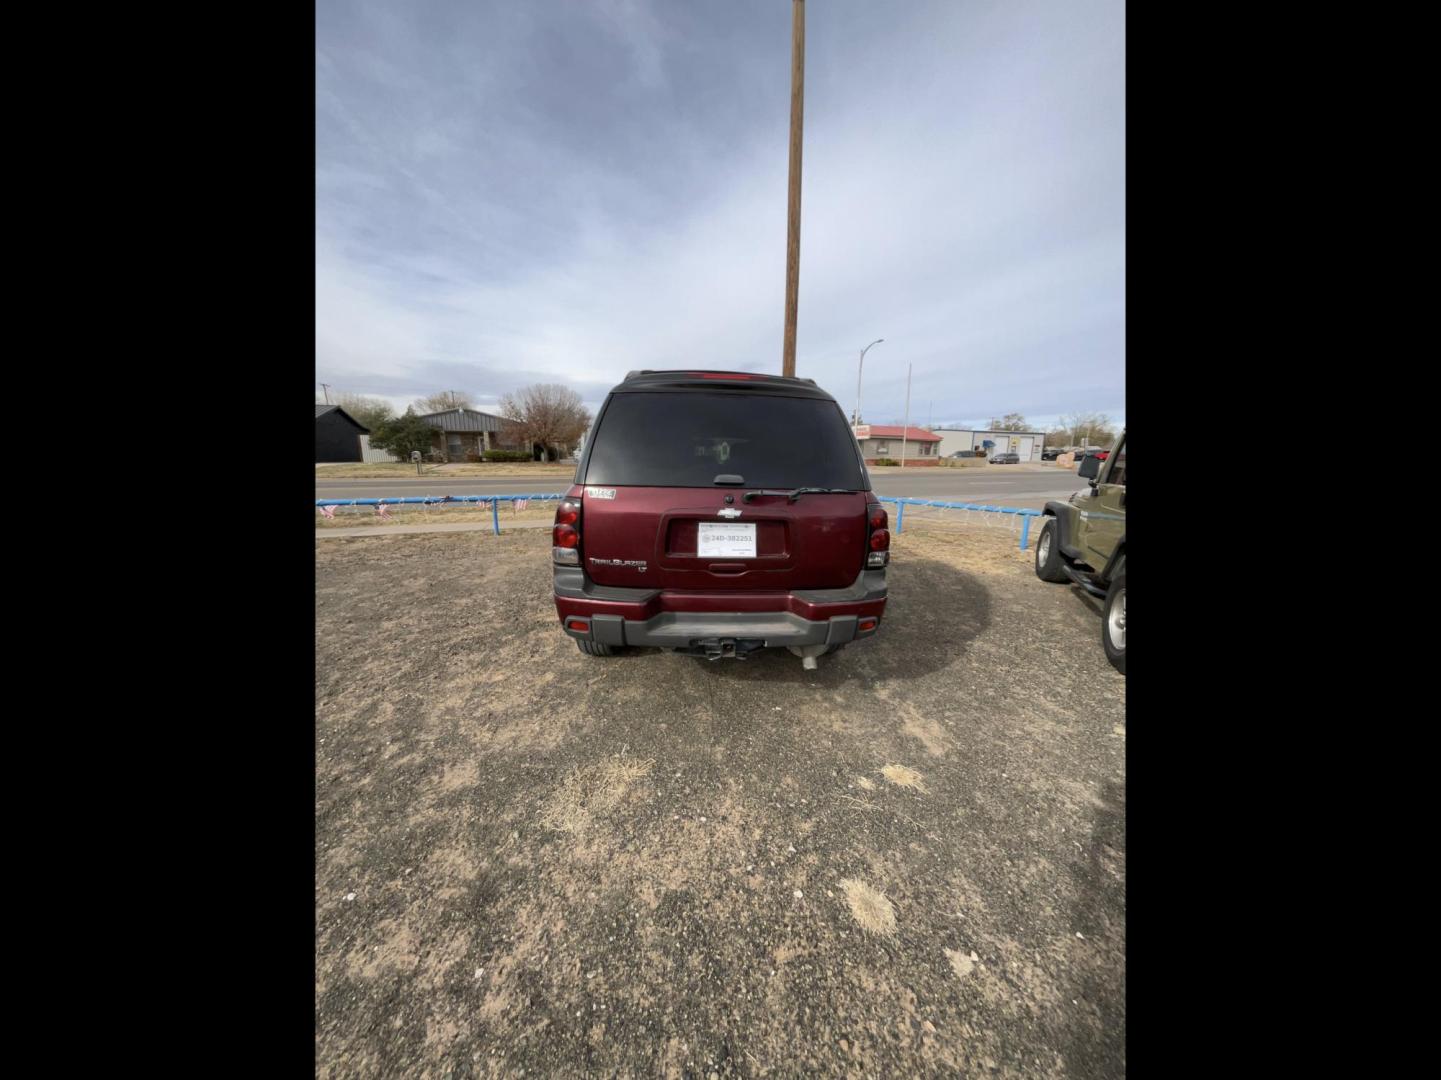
<point>565,536</point>
<point>878,537</point>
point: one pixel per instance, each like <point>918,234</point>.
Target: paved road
<point>999,485</point>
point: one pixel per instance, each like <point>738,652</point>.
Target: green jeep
<point>1084,540</point>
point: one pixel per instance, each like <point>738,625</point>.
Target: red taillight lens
<point>567,513</point>
<point>880,540</point>
<point>577,624</point>
<point>879,519</point>
<point>866,624</point>
<point>565,536</point>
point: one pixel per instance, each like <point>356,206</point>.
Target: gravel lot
<point>532,862</point>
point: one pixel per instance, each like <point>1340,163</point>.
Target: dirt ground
<point>910,862</point>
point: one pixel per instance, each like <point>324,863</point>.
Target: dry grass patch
<point>870,907</point>
<point>905,777</point>
<point>592,791</point>
<point>352,517</point>
<point>376,470</point>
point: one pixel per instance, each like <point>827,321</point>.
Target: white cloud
<point>584,198</point>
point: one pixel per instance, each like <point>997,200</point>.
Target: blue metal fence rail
<point>434,500</point>
<point>901,504</point>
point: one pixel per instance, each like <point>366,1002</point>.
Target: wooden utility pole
<point>793,223</point>
<point>326,387</point>
<point>906,424</point>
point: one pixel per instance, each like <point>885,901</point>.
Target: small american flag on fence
<point>519,504</point>
<point>328,512</point>
<point>382,510</point>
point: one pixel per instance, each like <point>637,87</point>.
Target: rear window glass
<point>684,439</point>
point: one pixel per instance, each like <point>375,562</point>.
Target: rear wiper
<point>792,496</point>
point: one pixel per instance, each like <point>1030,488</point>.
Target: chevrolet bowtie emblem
<point>729,512</point>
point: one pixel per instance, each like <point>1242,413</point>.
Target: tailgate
<point>678,538</point>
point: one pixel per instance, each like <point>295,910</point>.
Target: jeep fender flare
<point>1060,512</point>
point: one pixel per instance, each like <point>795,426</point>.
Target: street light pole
<point>856,419</point>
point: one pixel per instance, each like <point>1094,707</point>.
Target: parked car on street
<point>715,513</point>
<point>1084,541</point>
<point>1050,453</point>
<point>1006,459</point>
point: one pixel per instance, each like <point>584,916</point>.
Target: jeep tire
<point>1113,623</point>
<point>1049,565</point>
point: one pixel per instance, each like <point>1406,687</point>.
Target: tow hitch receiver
<point>718,648</point>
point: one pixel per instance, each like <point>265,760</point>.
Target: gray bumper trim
<point>678,629</point>
<point>574,582</point>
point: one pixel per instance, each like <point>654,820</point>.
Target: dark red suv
<point>719,512</point>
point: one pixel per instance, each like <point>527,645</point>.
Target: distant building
<point>461,433</point>
<point>883,441</point>
<point>1027,444</point>
<point>337,435</point>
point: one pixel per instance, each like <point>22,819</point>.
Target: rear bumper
<point>678,620</point>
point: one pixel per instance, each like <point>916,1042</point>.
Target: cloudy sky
<point>564,190</point>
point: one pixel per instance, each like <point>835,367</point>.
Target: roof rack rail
<point>657,371</point>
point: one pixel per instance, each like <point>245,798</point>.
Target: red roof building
<point>887,442</point>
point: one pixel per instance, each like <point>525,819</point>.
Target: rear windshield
<point>687,439</point>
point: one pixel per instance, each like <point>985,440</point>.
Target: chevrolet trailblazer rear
<point>715,513</point>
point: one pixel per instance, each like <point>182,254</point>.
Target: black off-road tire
<point>1050,565</point>
<point>596,648</point>
<point>1115,605</point>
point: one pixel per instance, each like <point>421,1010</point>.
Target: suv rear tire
<point>596,648</point>
<point>1049,566</point>
<point>1113,623</point>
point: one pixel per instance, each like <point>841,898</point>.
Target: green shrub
<point>403,434</point>
<point>887,461</point>
<point>506,455</point>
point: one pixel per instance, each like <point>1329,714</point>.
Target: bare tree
<point>369,411</point>
<point>441,402</point>
<point>547,413</point>
<point>1088,429</point>
<point>1012,421</point>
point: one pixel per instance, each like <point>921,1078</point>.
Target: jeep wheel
<point>1113,623</point>
<point>1048,553</point>
<point>596,648</point>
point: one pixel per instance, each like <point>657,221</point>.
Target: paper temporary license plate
<point>726,541</point>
